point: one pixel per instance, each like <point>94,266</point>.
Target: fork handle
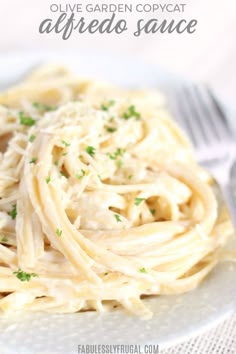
<point>230,202</point>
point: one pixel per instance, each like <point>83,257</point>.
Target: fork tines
<point>202,116</point>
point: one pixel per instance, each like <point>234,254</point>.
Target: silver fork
<point>205,122</point>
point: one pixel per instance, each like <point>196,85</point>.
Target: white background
<point>208,55</point>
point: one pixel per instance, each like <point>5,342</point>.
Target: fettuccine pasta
<point>101,199</point>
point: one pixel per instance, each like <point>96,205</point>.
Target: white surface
<point>209,54</point>
<point>219,340</point>
<point>176,318</point>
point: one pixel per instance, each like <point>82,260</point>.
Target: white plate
<point>176,318</point>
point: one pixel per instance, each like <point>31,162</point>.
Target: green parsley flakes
<point>33,160</point>
<point>44,107</point>
<point>120,152</point>
<point>13,213</point>
<point>143,270</point>
<point>58,232</point>
<point>4,239</point>
<point>117,217</point>
<point>131,112</point>
<point>138,201</point>
<point>90,150</point>
<point>25,120</point>
<point>63,174</point>
<point>80,176</point>
<point>111,129</point>
<point>48,179</point>
<point>117,153</point>
<point>119,163</point>
<point>23,276</point>
<point>152,211</point>
<point>32,138</point>
<point>106,106</point>
<point>65,143</point>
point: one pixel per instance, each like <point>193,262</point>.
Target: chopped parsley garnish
<point>119,163</point>
<point>90,150</point>
<point>13,213</point>
<point>152,211</point>
<point>48,179</point>
<point>79,176</point>
<point>28,121</point>
<point>106,106</point>
<point>130,176</point>
<point>58,232</point>
<point>44,107</point>
<point>32,138</point>
<point>112,156</point>
<point>118,152</point>
<point>100,178</point>
<point>56,163</point>
<point>65,143</point>
<point>137,201</point>
<point>131,112</point>
<point>23,276</point>
<point>33,160</point>
<point>63,174</point>
<point>65,153</point>
<point>143,270</point>
<point>111,129</point>
<point>118,219</point>
<point>4,239</point>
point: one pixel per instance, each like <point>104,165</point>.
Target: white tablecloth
<point>219,340</point>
